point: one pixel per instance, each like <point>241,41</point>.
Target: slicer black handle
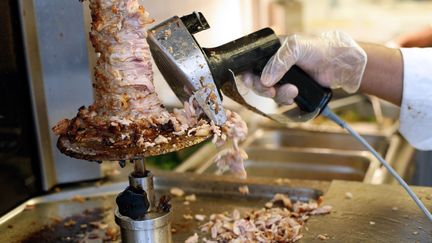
<point>252,52</point>
<point>245,53</point>
<point>311,95</point>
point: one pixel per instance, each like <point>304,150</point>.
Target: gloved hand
<point>333,59</point>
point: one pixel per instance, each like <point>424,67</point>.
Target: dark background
<point>19,174</point>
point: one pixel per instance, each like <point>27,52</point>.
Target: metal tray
<point>214,195</point>
<point>282,138</point>
<point>310,164</point>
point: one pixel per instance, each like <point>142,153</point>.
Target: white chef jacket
<point>416,107</point>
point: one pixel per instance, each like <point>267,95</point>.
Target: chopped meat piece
<point>323,237</point>
<point>186,203</point>
<point>209,241</point>
<point>98,225</point>
<point>160,140</point>
<point>348,195</point>
<point>175,191</point>
<point>268,205</point>
<point>187,216</point>
<point>236,214</point>
<point>190,198</point>
<point>149,145</point>
<point>111,234</point>
<point>320,200</point>
<point>78,198</point>
<point>200,217</point>
<point>322,210</point>
<point>232,160</point>
<point>244,190</point>
<point>61,127</point>
<point>203,130</point>
<point>192,239</point>
<point>69,223</point>
<point>56,219</point>
<point>282,199</point>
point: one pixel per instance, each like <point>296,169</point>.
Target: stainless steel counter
<point>376,213</point>
<point>367,217</point>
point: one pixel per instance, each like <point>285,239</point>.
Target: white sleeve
<point>416,107</point>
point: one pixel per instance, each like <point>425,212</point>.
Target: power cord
<point>335,118</point>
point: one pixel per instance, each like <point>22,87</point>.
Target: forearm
<point>420,38</point>
<point>383,76</point>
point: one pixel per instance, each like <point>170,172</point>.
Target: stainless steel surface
<point>154,229</point>
<point>55,41</point>
<point>312,164</point>
<point>376,105</point>
<point>376,213</point>
<point>145,183</point>
<point>185,67</point>
<point>214,195</point>
<point>284,138</point>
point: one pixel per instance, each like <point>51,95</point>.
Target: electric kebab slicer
<point>204,72</point>
<point>190,69</point>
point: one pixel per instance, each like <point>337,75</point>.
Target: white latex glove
<point>333,59</point>
<point>280,95</point>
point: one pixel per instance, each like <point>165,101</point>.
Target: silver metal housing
<point>184,66</point>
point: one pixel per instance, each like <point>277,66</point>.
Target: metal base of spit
<point>155,226</point>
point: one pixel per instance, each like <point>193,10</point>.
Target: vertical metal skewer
<point>139,167</point>
<point>143,179</point>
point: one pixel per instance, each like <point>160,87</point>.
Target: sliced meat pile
<point>127,112</point>
<point>280,221</point>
